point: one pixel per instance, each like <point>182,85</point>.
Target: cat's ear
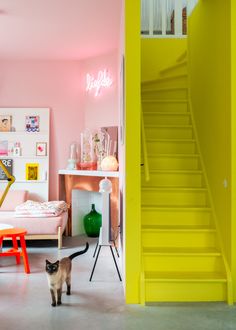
<point>47,262</point>
<point>57,262</point>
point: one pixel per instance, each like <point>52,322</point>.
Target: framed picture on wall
<point>41,148</point>
<point>32,123</point>
<point>32,171</point>
<point>5,123</point>
<point>4,148</point>
<point>8,163</point>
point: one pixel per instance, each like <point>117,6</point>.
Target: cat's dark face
<point>52,268</point>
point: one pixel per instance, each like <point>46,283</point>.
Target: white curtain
<point>145,15</point>
<point>157,13</point>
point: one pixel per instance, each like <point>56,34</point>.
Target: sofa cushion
<point>13,198</point>
<point>35,226</point>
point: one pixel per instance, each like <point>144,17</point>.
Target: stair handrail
<point>144,147</point>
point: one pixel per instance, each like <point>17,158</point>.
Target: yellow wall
<point>233,139</point>
<point>157,54</point>
<point>209,68</point>
<point>132,123</point>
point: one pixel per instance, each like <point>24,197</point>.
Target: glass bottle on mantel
<point>92,222</point>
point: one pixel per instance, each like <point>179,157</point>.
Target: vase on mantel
<point>92,222</point>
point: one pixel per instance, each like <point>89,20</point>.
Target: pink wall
<point>47,84</point>
<point>57,85</point>
<point>102,110</point>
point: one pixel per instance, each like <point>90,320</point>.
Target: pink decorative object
<point>109,163</point>
<point>92,166</point>
<point>87,151</point>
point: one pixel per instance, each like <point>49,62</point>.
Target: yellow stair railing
<point>144,147</point>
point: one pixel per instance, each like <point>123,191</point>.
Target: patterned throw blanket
<point>33,209</point>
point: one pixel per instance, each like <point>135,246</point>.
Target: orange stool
<point>15,233</point>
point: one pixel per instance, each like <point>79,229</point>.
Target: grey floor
<point>25,299</point>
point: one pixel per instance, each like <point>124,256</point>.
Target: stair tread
<point>165,101</point>
<point>171,188</point>
<point>169,126</point>
<point>185,276</point>
<point>174,155</point>
<point>166,113</point>
<point>173,66</point>
<point>164,89</point>
<point>176,208</point>
<point>170,140</point>
<point>147,82</point>
<point>181,251</point>
<point>174,188</point>
<point>176,171</point>
<point>177,228</point>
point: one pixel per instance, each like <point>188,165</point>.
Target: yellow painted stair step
<point>174,162</point>
<point>164,89</point>
<point>165,93</point>
<point>187,251</point>
<point>166,118</point>
<point>148,82</point>
<point>166,105</point>
<point>185,276</point>
<point>177,228</point>
<point>174,66</point>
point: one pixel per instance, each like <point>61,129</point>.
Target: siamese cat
<point>59,272</point>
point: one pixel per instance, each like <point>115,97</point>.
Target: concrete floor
<point>25,299</point>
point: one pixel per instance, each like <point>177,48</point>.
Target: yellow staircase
<point>182,258</point>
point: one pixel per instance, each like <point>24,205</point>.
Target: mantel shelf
<point>111,174</point>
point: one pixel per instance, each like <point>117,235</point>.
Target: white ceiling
<point>58,29</point>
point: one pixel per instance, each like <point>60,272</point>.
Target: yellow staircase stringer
<point>226,265</point>
<point>142,284</point>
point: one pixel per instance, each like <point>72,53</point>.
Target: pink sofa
<point>37,228</point>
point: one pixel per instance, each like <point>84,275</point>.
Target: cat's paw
<point>59,303</point>
<point>53,304</point>
<point>68,293</point>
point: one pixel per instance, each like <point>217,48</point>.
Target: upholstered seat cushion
<point>35,226</point>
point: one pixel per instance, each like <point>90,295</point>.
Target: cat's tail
<point>76,254</point>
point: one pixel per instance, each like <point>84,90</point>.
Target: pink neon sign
<point>103,80</point>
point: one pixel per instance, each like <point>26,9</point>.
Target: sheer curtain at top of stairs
<point>163,18</point>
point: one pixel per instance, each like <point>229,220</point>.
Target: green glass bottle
<point>92,222</point>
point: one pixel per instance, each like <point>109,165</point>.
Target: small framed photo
<point>41,148</point>
<point>4,148</point>
<point>5,123</point>
<point>16,151</point>
<point>32,171</point>
<point>32,123</point>
<point>8,163</point>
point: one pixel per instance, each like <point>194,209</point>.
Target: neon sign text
<point>103,80</point>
